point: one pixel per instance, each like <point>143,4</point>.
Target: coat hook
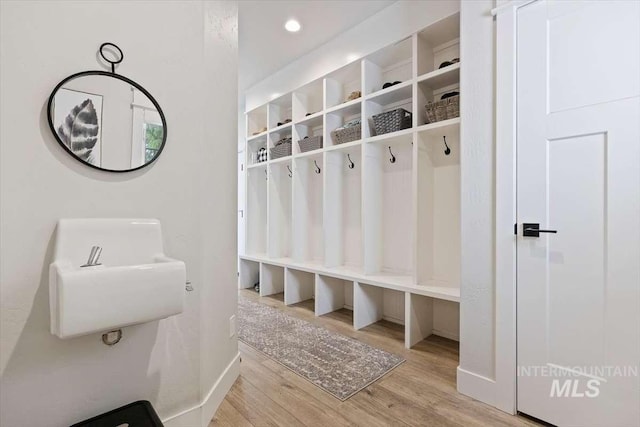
<point>317,167</point>
<point>266,175</point>
<point>393,158</point>
<point>447,151</point>
<point>290,172</point>
<point>351,164</point>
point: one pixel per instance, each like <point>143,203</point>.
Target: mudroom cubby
<point>256,218</point>
<point>438,198</point>
<point>299,286</point>
<point>271,279</point>
<point>249,274</point>
<point>307,231</point>
<point>343,208</point>
<point>389,65</point>
<point>340,116</point>
<point>332,294</point>
<point>257,121</point>
<point>388,202</point>
<point>373,303</point>
<point>374,222</point>
<point>308,101</point>
<point>341,83</point>
<point>280,178</point>
<point>280,112</point>
<point>438,43</point>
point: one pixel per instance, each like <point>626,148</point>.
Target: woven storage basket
<point>311,143</point>
<point>445,109</point>
<point>344,135</point>
<point>282,149</point>
<point>392,121</point>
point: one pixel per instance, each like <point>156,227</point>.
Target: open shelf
<point>308,129</point>
<point>280,110</point>
<point>372,304</point>
<point>299,286</point>
<point>257,121</point>
<point>280,209</point>
<point>388,65</point>
<point>342,208</point>
<point>426,93</point>
<point>307,99</point>
<point>332,294</point>
<point>339,84</point>
<point>249,274</point>
<point>312,120</point>
<point>339,117</point>
<point>271,279</point>
<point>438,43</point>
<point>384,104</point>
<point>308,238</point>
<point>443,77</point>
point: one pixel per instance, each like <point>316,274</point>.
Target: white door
<point>578,162</point>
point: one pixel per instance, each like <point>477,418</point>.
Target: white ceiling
<point>265,46</point>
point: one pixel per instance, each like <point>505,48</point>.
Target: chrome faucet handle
<point>94,255</point>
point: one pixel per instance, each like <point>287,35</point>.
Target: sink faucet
<point>94,256</point>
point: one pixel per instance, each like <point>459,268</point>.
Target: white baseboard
<point>476,386</point>
<point>201,414</point>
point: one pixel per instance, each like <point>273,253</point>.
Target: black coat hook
<point>317,167</point>
<point>351,164</point>
<point>393,158</point>
<point>290,172</point>
<point>447,151</point>
<point>266,175</point>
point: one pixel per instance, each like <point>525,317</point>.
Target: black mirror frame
<point>115,76</point>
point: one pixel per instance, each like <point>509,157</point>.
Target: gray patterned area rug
<point>339,365</point>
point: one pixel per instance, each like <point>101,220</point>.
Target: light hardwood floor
<point>420,392</point>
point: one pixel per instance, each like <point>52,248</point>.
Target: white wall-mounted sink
<point>134,283</point>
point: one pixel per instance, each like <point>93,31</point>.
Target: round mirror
<point>107,121</point>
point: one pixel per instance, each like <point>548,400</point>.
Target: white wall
<point>184,53</point>
<point>476,375</point>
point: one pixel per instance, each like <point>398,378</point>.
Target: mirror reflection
<point>107,122</point>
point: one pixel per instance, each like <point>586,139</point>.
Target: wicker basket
<point>282,148</point>
<point>445,109</point>
<point>347,134</point>
<point>311,143</point>
<point>392,121</point>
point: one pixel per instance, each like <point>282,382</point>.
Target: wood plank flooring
<point>420,392</point>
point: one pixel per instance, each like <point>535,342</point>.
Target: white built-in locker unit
<point>381,238</point>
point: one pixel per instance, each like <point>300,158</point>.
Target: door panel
<point>578,161</point>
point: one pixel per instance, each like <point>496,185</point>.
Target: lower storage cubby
<point>249,274</point>
<point>426,316</point>
<point>271,279</point>
<point>332,294</point>
<point>299,286</point>
<point>373,303</point>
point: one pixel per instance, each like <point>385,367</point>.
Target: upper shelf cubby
<point>340,84</point>
<point>439,43</point>
<point>257,121</point>
<point>280,111</point>
<point>307,101</point>
<point>389,66</point>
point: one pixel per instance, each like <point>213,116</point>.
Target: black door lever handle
<point>533,230</point>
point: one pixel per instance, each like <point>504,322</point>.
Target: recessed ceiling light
<point>292,26</point>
